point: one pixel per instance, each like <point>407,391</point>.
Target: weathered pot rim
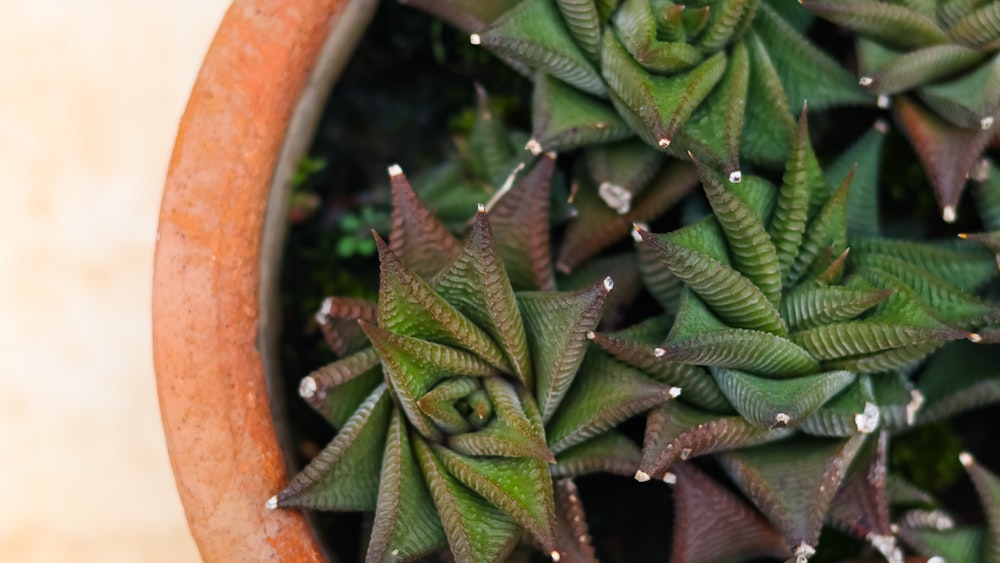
<point>255,99</point>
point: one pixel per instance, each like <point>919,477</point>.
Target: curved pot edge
<point>210,377</point>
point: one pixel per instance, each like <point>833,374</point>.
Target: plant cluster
<point>776,338</point>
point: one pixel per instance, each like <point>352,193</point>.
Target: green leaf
<point>853,338</point>
<point>963,265</point>
<point>979,29</point>
<point>712,524</point>
<point>564,118</point>
<point>950,391</point>
<point>918,67</point>
<point>490,146</point>
<point>791,213</point>
<point>676,432</point>
<point>413,367</point>
<point>969,100</point>
<point>476,284</point>
<point>944,300</point>
<point>699,338</point>
<point>440,404</point>
<point>418,238</point>
<point>726,21</point>
<point>793,483</point>
<point>635,26</point>
<point>827,231</point>
<point>806,72</point>
<point>584,23</point>
<point>730,294</point>
<point>714,130</point>
<point>656,106</point>
<point>844,415</point>
<point>477,530</point>
<point>767,403</point>
<point>345,475</point>
<point>557,325</point>
<point>813,306</point>
<point>769,126</point>
<point>520,486</point>
<point>406,522</point>
<point>862,201</point>
<point>750,248</point>
<point>409,306</point>
<point>609,452</point>
<point>697,385</point>
<point>987,194</point>
<point>884,22</point>
<point>606,393</point>
<point>511,433</point>
<point>533,33</point>
<point>952,544</point>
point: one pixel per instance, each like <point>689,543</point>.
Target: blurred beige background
<point>90,95</point>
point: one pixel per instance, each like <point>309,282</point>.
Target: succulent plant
<point>721,79</point>
<point>463,406</point>
<point>795,339</point>
<point>940,62</point>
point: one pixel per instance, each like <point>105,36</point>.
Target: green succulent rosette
<point>720,79</point>
<point>463,406</point>
<point>939,61</point>
<point>796,333</point>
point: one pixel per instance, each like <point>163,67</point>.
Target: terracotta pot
<point>250,118</point>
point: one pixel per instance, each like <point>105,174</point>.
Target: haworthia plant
<point>468,405</point>
<point>940,63</point>
<point>795,338</point>
<point>720,79</point>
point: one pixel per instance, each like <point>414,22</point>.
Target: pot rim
<point>248,121</point>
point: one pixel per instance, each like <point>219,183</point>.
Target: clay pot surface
<point>210,377</point>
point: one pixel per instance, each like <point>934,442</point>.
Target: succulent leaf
<point>557,325</point>
<point>565,118</point>
<point>883,21</point>
<point>767,403</point>
<point>713,525</point>
<point>676,432</point>
<point>611,452</point>
<point>950,391</point>
<point>521,487</point>
<point>406,522</point>
<point>988,487</point>
<point>476,529</point>
<point>806,72</point>
<point>520,220</point>
<point>476,284</point>
<point>607,393</point>
<point>418,238</point>
<point>731,295</point>
<point>812,306</point>
<point>621,170</point>
<point>862,214</point>
<point>697,385</point>
<point>345,475</point>
<point>572,534</point>
<point>793,483</point>
<point>534,34</point>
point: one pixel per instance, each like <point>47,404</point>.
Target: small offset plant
<point>784,338</point>
<point>463,418</point>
